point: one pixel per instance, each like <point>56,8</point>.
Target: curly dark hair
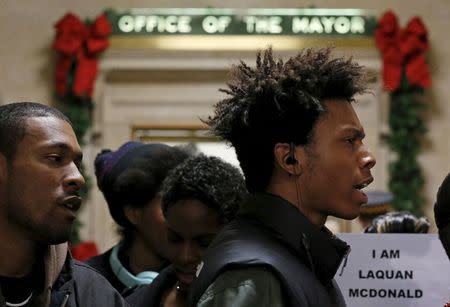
<point>13,118</point>
<point>208,179</point>
<point>279,102</point>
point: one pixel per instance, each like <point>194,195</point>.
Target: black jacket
<point>82,286</point>
<point>70,283</point>
<point>151,295</point>
<point>272,233</point>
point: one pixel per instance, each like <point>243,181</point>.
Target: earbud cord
<point>292,155</point>
<point>304,237</point>
<point>298,194</point>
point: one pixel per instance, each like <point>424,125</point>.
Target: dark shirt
<point>17,290</point>
<point>152,294</point>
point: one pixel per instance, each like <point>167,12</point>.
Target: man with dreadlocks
<point>300,145</point>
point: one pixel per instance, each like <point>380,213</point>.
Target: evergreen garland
<point>405,76</point>
<point>78,45</point>
<point>407,128</point>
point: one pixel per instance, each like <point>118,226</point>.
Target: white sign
<point>395,270</point>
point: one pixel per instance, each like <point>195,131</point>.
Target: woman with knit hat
<point>130,179</point>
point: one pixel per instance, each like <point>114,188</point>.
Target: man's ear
<point>133,214</point>
<point>286,158</point>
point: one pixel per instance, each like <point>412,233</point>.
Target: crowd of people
<point>195,230</point>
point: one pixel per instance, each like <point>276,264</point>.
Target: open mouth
<point>185,278</point>
<point>363,184</point>
<point>360,186</point>
<point>361,197</point>
<point>72,203</point>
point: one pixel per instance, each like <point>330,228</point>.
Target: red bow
<point>80,45</point>
<point>403,47</point>
<point>84,250</point>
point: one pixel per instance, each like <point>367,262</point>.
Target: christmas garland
<point>405,77</point>
<point>78,46</point>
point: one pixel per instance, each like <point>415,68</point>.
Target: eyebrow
<point>356,132</point>
<point>200,236</point>
<point>63,146</point>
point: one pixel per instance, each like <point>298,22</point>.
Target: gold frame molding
<point>234,42</point>
<point>172,133</point>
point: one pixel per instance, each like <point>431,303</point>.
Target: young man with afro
<point>300,146</point>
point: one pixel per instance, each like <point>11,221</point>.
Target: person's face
<point>335,166</point>
<point>40,196</point>
<point>151,227</point>
<point>192,226</point>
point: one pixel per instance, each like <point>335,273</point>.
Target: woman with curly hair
<point>199,197</point>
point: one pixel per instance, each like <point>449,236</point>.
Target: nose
<point>187,254</point>
<point>74,180</point>
<point>367,159</point>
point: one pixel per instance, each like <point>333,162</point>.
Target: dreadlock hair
<point>279,102</point>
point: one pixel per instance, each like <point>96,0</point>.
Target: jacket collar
<point>54,258</point>
<point>319,248</point>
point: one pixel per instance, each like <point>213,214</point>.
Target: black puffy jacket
<point>269,232</point>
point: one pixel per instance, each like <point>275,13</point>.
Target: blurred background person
<point>198,198</point>
<point>398,222</point>
<point>130,179</point>
<point>378,203</point>
<point>442,214</point>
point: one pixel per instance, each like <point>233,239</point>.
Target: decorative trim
<point>172,133</point>
<point>234,42</point>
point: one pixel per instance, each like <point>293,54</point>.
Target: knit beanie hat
<point>109,165</point>
<point>442,213</point>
